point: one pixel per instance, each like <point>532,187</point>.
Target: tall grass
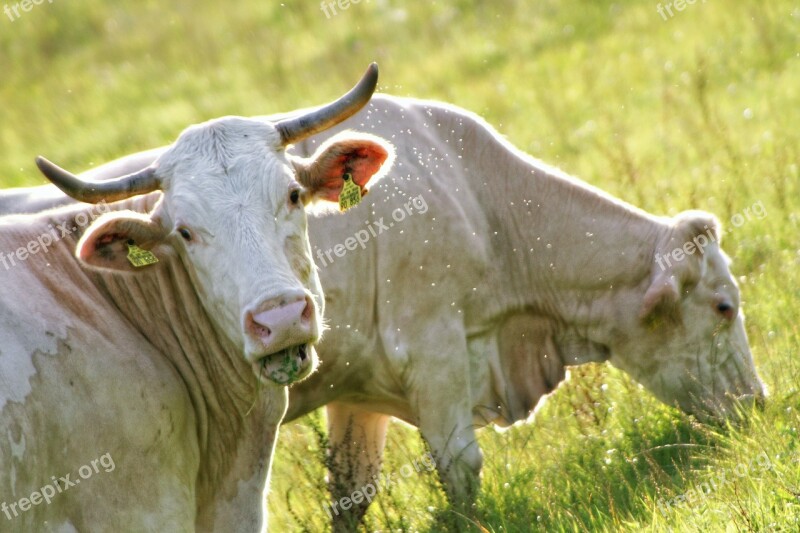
<point>698,111</point>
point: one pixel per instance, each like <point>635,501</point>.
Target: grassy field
<point>694,110</point>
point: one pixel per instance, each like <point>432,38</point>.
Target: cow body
<point>466,310</point>
<point>92,365</point>
<point>154,334</point>
<point>469,314</point>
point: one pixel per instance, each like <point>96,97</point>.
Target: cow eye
<point>185,233</point>
<point>294,196</point>
<point>726,309</point>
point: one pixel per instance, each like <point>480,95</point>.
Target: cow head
<point>689,345</point>
<point>233,209</point>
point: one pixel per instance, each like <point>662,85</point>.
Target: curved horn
<point>298,128</point>
<point>140,182</point>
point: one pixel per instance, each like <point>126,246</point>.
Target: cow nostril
<point>282,325</point>
<point>260,330</point>
<point>308,310</point>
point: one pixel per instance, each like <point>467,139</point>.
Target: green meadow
<point>697,109</point>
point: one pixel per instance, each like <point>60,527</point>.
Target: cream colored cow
<point>158,331</point>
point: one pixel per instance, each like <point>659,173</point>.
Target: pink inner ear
<point>107,238</point>
<point>362,162</point>
<point>367,162</point>
<point>91,246</point>
<point>87,249</point>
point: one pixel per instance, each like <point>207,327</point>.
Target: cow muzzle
<point>287,366</point>
<point>281,333</point>
<point>276,325</point>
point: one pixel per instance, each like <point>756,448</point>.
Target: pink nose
<point>282,326</point>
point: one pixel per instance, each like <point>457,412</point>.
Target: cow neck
<point>570,251</point>
<point>161,303</point>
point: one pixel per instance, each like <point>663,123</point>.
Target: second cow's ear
<point>365,157</point>
<point>108,241</point>
<point>663,295</point>
<point>673,273</point>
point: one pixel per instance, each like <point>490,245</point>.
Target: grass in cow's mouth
<point>288,361</point>
<point>290,367</point>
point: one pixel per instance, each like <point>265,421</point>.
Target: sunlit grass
<point>699,111</point>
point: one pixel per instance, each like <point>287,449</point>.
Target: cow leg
<point>357,437</point>
<point>434,368</point>
<point>447,427</point>
<point>441,402</point>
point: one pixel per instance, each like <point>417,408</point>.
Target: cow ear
<point>679,262</point>
<point>109,240</point>
<point>662,296</point>
<point>365,157</point>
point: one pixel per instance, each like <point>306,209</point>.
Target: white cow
<point>470,280</point>
<point>138,395</point>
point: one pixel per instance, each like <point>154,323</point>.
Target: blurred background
<point>666,108</point>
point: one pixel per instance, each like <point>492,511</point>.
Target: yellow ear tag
<point>140,257</point>
<point>351,193</point>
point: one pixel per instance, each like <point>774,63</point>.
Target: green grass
<point>698,111</point>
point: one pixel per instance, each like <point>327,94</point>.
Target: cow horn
<point>298,128</point>
<point>140,182</point>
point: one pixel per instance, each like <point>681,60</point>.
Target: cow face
<point>233,212</point>
<point>689,345</point>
